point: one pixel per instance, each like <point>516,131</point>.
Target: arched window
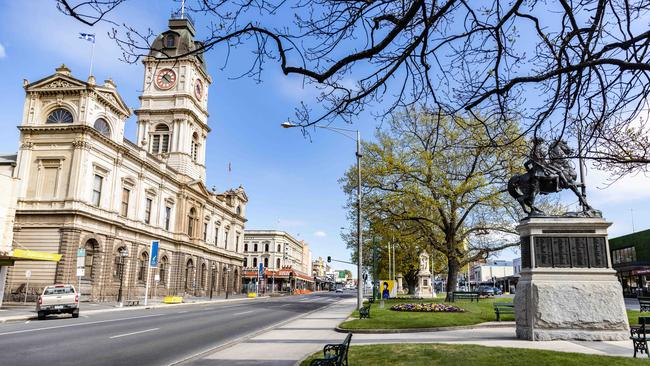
<point>195,147</point>
<point>169,41</point>
<point>118,264</point>
<point>245,262</point>
<point>266,263</point>
<point>191,222</point>
<point>246,247</point>
<point>255,262</point>
<point>266,247</point>
<point>163,269</point>
<point>277,263</point>
<point>160,139</point>
<point>103,127</point>
<point>143,263</point>
<point>204,275</point>
<point>279,248</point>
<point>255,248</point>
<point>88,260</point>
<point>60,115</point>
<point>238,210</point>
<point>189,274</point>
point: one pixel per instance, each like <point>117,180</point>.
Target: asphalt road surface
<point>147,337</point>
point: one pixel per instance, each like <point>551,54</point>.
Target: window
<point>118,264</point>
<point>277,263</point>
<point>279,248</point>
<point>169,41</point>
<point>88,260</point>
<point>624,255</point>
<point>147,210</point>
<point>255,248</point>
<point>160,139</point>
<point>203,275</point>
<point>143,262</point>
<point>59,115</point>
<point>194,151</point>
<point>191,221</point>
<point>189,274</point>
<point>163,270</point>
<point>266,247</point>
<point>237,243</point>
<point>245,262</point>
<point>124,209</point>
<point>97,189</point>
<point>238,210</point>
<point>168,215</point>
<point>255,262</point>
<point>205,231</point>
<point>225,239</point>
<point>216,233</point>
<point>245,247</point>
<point>266,263</point>
<point>103,127</point>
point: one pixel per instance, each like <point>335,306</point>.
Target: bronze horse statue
<point>544,176</point>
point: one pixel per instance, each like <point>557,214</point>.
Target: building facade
<point>84,185</point>
<point>487,273</point>
<point>631,259</point>
<point>286,261</point>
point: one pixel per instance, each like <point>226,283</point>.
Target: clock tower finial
<point>173,116</point>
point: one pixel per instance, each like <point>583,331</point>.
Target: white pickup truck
<point>58,299</point>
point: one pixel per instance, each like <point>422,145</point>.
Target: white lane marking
<point>244,312</point>
<point>132,333</point>
<point>182,312</point>
<point>84,316</point>
<point>78,324</point>
<point>27,322</point>
<point>285,305</point>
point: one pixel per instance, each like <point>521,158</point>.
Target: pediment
<point>200,187</point>
<point>54,82</point>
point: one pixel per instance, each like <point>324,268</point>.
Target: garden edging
<point>503,324</point>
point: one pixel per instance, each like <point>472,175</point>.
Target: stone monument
<point>424,278</point>
<point>567,288</point>
<point>400,278</point>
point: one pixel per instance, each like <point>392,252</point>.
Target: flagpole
<point>92,57</point>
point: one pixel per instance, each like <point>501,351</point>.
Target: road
<point>147,337</point>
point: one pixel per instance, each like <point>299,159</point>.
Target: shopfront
<point>630,255</point>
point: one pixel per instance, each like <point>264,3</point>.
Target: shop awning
<point>28,255</point>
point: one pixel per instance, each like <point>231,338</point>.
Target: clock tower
<point>173,114</point>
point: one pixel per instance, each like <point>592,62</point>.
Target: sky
<point>291,181</point>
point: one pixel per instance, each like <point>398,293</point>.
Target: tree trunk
<point>452,276</point>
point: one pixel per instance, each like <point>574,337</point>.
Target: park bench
<point>334,354</point>
<point>364,312</point>
<point>371,299</point>
<point>131,302</point>
<point>464,295</point>
<point>644,303</point>
<point>503,308</point>
<point>639,337</point>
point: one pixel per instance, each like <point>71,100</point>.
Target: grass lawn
<point>475,313</point>
<point>459,355</point>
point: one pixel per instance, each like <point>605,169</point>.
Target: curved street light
<point>346,132</point>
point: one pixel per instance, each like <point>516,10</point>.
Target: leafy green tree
<point>440,184</point>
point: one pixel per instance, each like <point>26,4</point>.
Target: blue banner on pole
<point>153,263</point>
<point>261,272</point>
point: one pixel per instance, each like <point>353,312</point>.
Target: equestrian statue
<point>547,172</point>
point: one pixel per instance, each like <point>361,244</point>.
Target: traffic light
<point>329,259</point>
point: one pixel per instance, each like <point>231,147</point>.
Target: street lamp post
<point>212,280</point>
<point>345,132</point>
<point>123,255</point>
<point>227,273</point>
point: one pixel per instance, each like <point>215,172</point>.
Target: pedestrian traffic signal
<point>329,259</point>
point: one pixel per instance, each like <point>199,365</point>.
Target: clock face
<point>165,79</point>
<point>198,89</point>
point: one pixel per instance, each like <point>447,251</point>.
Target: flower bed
<point>427,308</point>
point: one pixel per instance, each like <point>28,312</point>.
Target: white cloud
<point>3,53</point>
<point>320,234</point>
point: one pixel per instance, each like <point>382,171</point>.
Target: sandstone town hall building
<point>84,185</point>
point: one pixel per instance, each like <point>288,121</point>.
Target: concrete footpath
<point>291,342</point>
<point>12,311</point>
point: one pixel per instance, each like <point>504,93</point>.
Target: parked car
<point>339,290</point>
<point>58,299</point>
<point>486,291</point>
<point>497,291</point>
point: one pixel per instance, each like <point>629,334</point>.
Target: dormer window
<point>60,115</point>
<point>170,41</point>
<point>160,139</point>
<point>102,127</point>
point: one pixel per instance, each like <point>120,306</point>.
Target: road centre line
<point>244,312</point>
<point>79,324</point>
<point>133,333</point>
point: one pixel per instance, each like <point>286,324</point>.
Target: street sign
<point>81,262</point>
<point>157,278</point>
<point>153,263</point>
<point>28,273</point>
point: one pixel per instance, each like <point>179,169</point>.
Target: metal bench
<point>131,302</point>
<point>371,299</point>
<point>639,337</point>
<point>644,304</point>
<point>464,295</point>
<point>503,308</point>
<point>334,354</point>
<point>364,312</point>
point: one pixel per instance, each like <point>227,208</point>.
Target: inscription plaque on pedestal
<point>566,252</point>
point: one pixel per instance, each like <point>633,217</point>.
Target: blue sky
<point>291,181</point>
